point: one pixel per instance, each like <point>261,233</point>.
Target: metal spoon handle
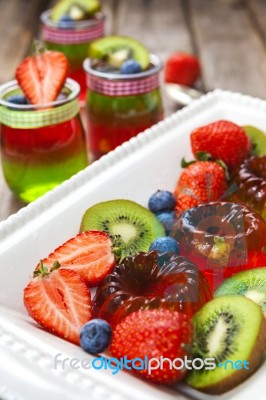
<point>183,95</point>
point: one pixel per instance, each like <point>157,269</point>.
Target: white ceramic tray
<point>133,171</point>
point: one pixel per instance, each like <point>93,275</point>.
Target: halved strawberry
<point>89,253</point>
<point>59,301</point>
<point>42,76</point>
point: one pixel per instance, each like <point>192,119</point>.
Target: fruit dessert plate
<point>31,359</point>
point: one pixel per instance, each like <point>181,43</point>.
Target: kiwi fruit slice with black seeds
<point>117,49</point>
<point>258,139</point>
<point>251,284</point>
<point>131,227</point>
<point>228,329</point>
<point>87,9</point>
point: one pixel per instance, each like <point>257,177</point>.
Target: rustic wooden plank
<point>19,21</point>
<point>161,27</point>
<point>257,10</point>
<point>8,203</point>
<point>232,53</point>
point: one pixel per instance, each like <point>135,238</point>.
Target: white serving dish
<point>133,171</point>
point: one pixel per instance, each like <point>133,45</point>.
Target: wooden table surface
<point>229,36</point>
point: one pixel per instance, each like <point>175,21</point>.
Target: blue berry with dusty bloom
<point>165,244</point>
<point>130,67</point>
<point>162,200</point>
<point>95,336</point>
<point>167,220</point>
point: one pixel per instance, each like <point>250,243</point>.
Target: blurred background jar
<point>120,106</point>
<point>73,38</point>
<point>41,145</point>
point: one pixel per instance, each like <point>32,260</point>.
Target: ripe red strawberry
<point>223,140</point>
<point>89,253</point>
<point>201,182</point>
<point>59,301</point>
<point>155,334</point>
<point>182,68</point>
<point>42,76</point>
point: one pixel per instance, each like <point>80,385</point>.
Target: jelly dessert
<point>42,137</point>
<point>70,27</point>
<point>130,226</point>
<point>144,281</point>
<point>222,239</point>
<point>251,181</point>
<point>227,329</point>
<point>123,97</point>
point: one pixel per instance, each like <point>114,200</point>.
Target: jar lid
<point>80,32</point>
<point>111,84</point>
<point>37,116</point>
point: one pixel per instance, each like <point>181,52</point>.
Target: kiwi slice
<point>251,284</point>
<point>130,226</point>
<point>76,9</point>
<point>117,49</point>
<point>258,139</point>
<point>228,329</point>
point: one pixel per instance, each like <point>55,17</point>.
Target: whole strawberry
<point>223,140</point>
<point>154,334</point>
<point>182,68</point>
<point>200,182</point>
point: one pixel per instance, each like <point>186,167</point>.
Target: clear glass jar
<point>41,145</point>
<point>73,41</point>
<point>120,106</point>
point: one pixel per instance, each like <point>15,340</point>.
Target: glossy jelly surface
<point>222,239</point>
<point>36,160</point>
<point>146,282</point>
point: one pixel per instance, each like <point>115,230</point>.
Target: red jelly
<point>147,281</point>
<point>222,239</point>
<point>251,181</point>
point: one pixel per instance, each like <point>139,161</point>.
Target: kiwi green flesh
<point>90,7</point>
<point>131,227</point>
<point>251,284</point>
<point>258,139</point>
<point>105,49</point>
<point>227,328</point>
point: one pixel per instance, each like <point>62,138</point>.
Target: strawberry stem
<point>185,164</point>
<point>43,269</point>
<point>203,156</point>
<point>55,266</point>
<point>38,47</point>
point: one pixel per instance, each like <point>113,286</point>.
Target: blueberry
<point>165,244</point>
<point>65,21</point>
<point>130,67</point>
<point>18,99</point>
<point>167,220</point>
<point>162,200</point>
<point>95,336</point>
